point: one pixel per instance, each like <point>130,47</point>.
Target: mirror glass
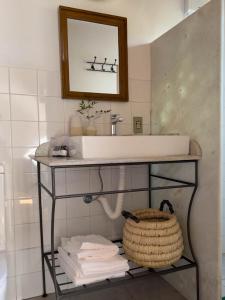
<point>93,52</point>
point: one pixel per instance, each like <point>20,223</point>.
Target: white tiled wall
<point>32,111</point>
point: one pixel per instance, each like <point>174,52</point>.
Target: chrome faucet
<point>115,118</point>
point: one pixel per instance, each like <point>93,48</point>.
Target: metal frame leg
<point>189,231</point>
<point>41,230</point>
<point>197,283</point>
<point>150,185</point>
<point>53,230</point>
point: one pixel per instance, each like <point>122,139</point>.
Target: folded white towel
<point>77,277</point>
<point>114,264</point>
<point>89,247</point>
<point>85,268</point>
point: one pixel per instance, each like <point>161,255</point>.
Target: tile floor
<point>153,287</point>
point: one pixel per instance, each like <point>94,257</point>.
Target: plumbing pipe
<point>120,198</point>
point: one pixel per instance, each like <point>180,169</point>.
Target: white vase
<point>91,127</point>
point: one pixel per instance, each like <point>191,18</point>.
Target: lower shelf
<point>65,286</point>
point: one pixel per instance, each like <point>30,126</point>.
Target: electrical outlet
<point>138,125</point>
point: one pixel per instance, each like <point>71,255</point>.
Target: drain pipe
<point>120,198</point>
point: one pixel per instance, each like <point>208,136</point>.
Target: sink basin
<point>130,146</point>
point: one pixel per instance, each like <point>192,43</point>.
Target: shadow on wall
<point>185,75</point>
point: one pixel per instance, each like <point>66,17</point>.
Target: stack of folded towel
<point>91,258</point>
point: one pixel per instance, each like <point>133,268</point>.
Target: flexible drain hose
<point>120,198</point>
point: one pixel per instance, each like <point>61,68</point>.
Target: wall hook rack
<point>93,64</point>
<point>103,65</point>
<point>103,69</point>
<point>112,67</point>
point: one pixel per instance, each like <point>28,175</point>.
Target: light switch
<point>138,125</point>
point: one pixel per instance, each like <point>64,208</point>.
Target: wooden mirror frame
<point>120,22</point>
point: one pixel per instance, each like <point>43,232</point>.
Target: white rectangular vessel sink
<point>130,146</point>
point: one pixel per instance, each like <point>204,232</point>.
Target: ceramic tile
<point>47,130</point>
<point>77,208</point>
<point>27,236</point>
<point>9,225</point>
<point>139,176</point>
<point>137,201</point>
<point>60,210</point>
<point>104,118</point>
<point>21,160</point>
<point>70,106</point>
<point>49,284</point>
<point>25,185</point>
<point>6,158</point>
<point>10,263</point>
<point>103,129</point>
<point>25,134</point>
<point>10,289</point>
<point>4,80</point>
<point>49,83</point>
<point>60,230</point>
<point>96,208</point>
<point>51,109</point>
<point>146,129</point>
<point>124,129</point>
<point>4,107</point>
<point>10,238</point>
<point>141,110</point>
<point>8,186</point>
<point>78,226</point>
<point>24,108</point>
<point>28,261</point>
<point>117,228</point>
<point>139,62</point>
<point>95,183</point>
<point>123,109</point>
<point>29,285</point>
<point>25,210</point>
<point>23,81</point>
<point>60,182</point>
<point>115,180</point>
<point>77,181</point>
<point>139,90</point>
<point>5,134</point>
<point>100,225</point>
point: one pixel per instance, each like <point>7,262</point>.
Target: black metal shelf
<point>62,285</point>
<point>65,286</point>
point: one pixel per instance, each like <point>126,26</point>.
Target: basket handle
<point>170,206</point>
<point>127,215</point>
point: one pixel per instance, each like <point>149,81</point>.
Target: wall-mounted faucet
<point>115,118</point>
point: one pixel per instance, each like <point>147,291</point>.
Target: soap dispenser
<point>75,125</point>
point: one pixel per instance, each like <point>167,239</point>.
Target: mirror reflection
<point>93,52</point>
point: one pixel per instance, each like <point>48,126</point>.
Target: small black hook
<point>103,69</point>
<point>112,67</point>
<point>93,64</point>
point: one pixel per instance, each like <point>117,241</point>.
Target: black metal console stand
<point>62,285</point>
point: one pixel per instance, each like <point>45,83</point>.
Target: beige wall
<point>185,74</point>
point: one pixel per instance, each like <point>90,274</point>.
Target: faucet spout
<point>115,118</point>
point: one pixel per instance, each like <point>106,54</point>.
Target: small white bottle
<point>75,125</point>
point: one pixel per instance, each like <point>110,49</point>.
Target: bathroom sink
<point>130,146</point>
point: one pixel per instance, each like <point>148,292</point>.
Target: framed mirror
<point>94,62</point>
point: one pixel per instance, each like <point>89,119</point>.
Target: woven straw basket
<point>152,238</point>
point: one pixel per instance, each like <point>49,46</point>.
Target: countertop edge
<point>60,162</point>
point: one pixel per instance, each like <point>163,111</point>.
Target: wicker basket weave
<point>152,238</point>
